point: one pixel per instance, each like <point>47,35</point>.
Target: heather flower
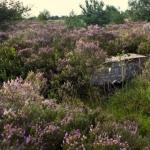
<point>18,93</point>
<point>67,119</point>
<point>73,140</point>
<point>50,103</point>
<point>130,126</point>
<point>91,49</point>
<point>66,56</point>
<point>103,137</point>
<point>11,132</point>
<point>45,50</point>
<point>25,52</point>
<point>44,132</point>
<point>62,63</point>
<point>87,45</point>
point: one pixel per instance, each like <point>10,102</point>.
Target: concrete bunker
<point>118,69</point>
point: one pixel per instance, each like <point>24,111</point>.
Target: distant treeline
<point>93,12</point>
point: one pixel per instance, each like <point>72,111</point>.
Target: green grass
<point>133,103</point>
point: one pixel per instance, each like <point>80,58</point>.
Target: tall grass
<point>133,102</point>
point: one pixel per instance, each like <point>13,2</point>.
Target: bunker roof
<point>124,57</point>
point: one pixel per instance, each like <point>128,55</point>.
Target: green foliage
<point>74,21</point>
<point>93,12</point>
<point>54,17</point>
<point>12,10</point>
<point>144,47</point>
<point>139,9</point>
<point>44,15</point>
<point>71,79</point>
<point>132,102</point>
<point>72,115</point>
<point>137,103</point>
<point>114,15</point>
<point>10,64</point>
<point>130,43</point>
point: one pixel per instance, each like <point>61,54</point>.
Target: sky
<point>64,7</point>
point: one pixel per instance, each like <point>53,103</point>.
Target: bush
<point>74,21</point>
<point>29,121</point>
<point>12,10</point>
<point>94,12</point>
<point>73,73</point>
<point>144,48</point>
<point>44,15</point>
<point>10,63</point>
<point>129,43</point>
<point>72,117</point>
<point>114,15</point>
<point>138,10</point>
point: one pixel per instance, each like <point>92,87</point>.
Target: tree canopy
<point>44,15</point>
<point>139,9</point>
<point>95,12</point>
<point>74,20</point>
<point>114,15</point>
<point>12,10</point>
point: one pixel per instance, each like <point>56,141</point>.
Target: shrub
<point>74,21</point>
<point>73,115</point>
<point>138,10</point>
<point>44,15</point>
<point>10,63</point>
<point>42,123</point>
<point>114,15</point>
<point>93,12</point>
<point>22,92</point>
<point>74,72</point>
<point>29,121</point>
<point>144,47</point>
<point>130,43</point>
<point>24,111</point>
<point>12,10</point>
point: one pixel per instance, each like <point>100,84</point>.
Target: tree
<point>74,21</point>
<point>54,17</point>
<point>12,10</point>
<point>94,12</point>
<point>139,9</point>
<point>114,15</point>
<point>44,15</point>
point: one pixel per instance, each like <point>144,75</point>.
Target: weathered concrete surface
<point>118,69</point>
